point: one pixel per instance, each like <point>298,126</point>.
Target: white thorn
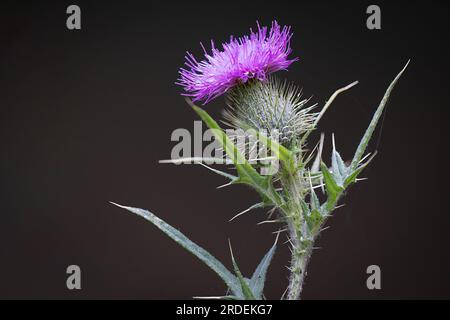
<point>268,221</point>
<point>333,96</point>
<point>258,205</point>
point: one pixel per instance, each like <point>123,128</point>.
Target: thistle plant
<point>303,191</point>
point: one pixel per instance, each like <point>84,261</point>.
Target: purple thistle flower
<point>250,57</point>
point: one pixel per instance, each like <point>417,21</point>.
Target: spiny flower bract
<point>249,57</point>
<point>270,106</point>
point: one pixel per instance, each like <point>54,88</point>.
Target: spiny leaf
<point>333,96</point>
<point>338,165</point>
<point>219,172</point>
<point>340,170</point>
<point>262,185</point>
<point>230,280</point>
<point>315,203</point>
<point>368,134</point>
<point>316,164</point>
<point>314,216</point>
<point>246,291</point>
<point>259,276</point>
<point>351,178</point>
<point>333,190</point>
<point>325,108</point>
<point>247,174</point>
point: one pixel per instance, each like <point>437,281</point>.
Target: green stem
<point>300,240</point>
<point>299,262</point>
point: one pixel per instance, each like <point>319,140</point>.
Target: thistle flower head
<point>272,106</point>
<point>250,57</point>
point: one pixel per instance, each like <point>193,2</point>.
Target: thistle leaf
<point>370,129</point>
<point>220,173</point>
<point>332,188</point>
<point>246,291</point>
<point>315,203</point>
<point>316,164</point>
<point>340,170</point>
<point>259,276</point>
<point>247,174</point>
<point>351,178</point>
<point>331,99</point>
<point>325,108</point>
<point>230,280</point>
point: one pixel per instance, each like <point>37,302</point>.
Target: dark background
<point>86,115</point>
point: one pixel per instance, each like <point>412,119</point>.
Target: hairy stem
<point>299,262</point>
<point>300,239</point>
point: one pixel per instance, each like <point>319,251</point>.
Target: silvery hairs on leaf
<point>239,287</point>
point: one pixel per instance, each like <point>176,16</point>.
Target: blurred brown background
<point>86,115</point>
